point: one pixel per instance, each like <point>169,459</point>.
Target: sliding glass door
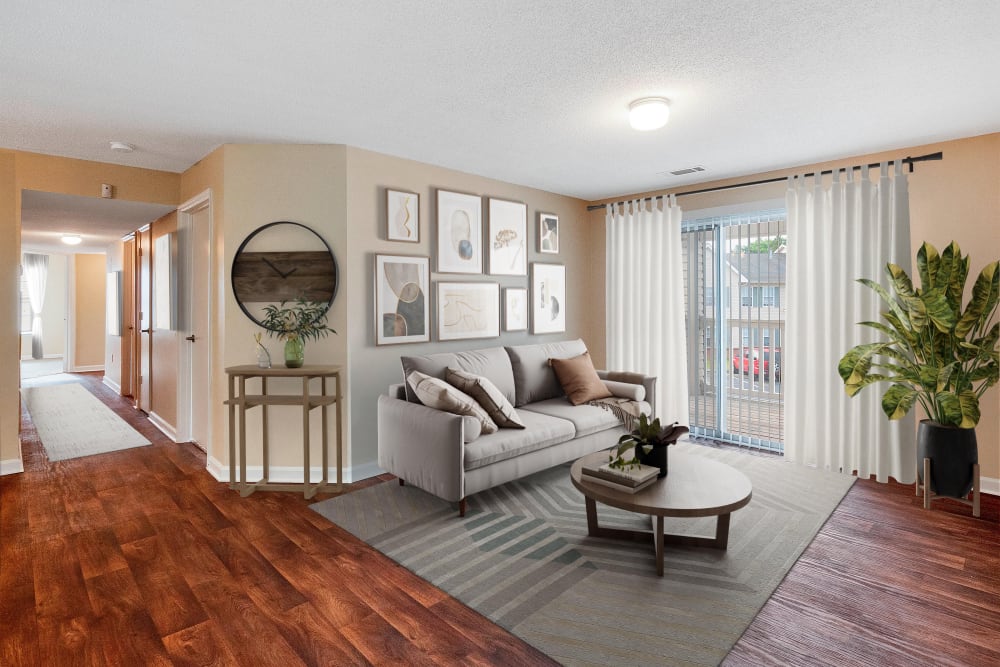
<point>735,316</point>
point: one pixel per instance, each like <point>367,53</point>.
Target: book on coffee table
<point>628,480</point>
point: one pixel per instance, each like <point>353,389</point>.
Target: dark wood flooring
<point>140,557</point>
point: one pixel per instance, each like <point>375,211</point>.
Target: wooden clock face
<point>283,261</point>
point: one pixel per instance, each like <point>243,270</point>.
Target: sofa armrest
<point>422,446</point>
<point>647,381</point>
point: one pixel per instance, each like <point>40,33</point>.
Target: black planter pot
<point>657,457</point>
<point>952,452</point>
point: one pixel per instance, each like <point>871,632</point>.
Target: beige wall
<point>373,368</point>
<point>89,290</point>
<point>53,312</point>
<point>10,258</point>
<point>957,198</point>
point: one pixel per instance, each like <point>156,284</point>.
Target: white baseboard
<point>989,485</point>
<point>87,369</point>
<point>11,466</point>
<point>292,474</point>
<point>111,384</point>
<point>160,423</point>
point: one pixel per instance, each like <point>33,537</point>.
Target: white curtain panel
<point>645,300</point>
<point>36,270</point>
<point>836,235</point>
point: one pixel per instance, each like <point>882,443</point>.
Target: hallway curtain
<point>645,300</point>
<point>835,236</point>
<point>36,270</point>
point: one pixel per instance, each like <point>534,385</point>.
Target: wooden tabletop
<point>253,370</point>
<point>694,486</point>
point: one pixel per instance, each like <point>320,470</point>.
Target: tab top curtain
<point>36,270</point>
<point>645,300</point>
<point>836,235</point>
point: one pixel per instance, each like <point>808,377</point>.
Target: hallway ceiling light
<point>122,147</point>
<point>71,239</point>
<point>649,113</point>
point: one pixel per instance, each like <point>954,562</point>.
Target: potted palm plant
<point>935,353</point>
<point>295,324</point>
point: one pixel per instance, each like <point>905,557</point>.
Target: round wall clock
<point>283,261</point>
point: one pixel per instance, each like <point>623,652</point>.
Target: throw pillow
<point>487,395</point>
<point>438,394</point>
<point>579,379</point>
<point>634,392</point>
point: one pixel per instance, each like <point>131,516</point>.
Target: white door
<point>194,385</point>
<point>144,238</point>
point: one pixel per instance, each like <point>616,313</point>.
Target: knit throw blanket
<point>625,410</point>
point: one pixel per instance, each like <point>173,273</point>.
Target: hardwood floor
<point>141,557</point>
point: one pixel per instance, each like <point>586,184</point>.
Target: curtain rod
<point>906,160</point>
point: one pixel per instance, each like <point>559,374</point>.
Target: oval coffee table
<point>694,486</point>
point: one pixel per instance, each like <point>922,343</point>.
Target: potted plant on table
<point>295,324</point>
<point>935,353</point>
<point>649,442</point>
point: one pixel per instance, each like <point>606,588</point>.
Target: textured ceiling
<point>529,92</point>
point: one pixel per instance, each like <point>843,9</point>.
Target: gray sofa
<point>427,448</point>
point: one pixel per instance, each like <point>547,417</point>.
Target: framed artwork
<point>402,309</point>
<point>468,310</point>
<point>515,309</point>
<point>548,298</point>
<point>548,233</point>
<point>402,216</point>
<point>459,233</point>
<point>508,231</point>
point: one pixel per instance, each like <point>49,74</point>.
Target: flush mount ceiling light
<point>649,113</point>
<point>71,239</point>
<point>122,147</point>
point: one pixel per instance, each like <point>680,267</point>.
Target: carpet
<point>522,558</point>
<point>72,422</point>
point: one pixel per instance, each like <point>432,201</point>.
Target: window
<point>770,296</point>
<point>709,296</point>
<point>746,296</point>
<point>26,314</point>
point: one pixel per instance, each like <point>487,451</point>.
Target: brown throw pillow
<point>579,379</point>
<point>489,397</point>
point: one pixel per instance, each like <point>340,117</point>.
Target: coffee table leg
<point>658,540</point>
<point>722,532</point>
<point>591,516</point>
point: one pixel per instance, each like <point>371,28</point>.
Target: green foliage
<point>645,436</point>
<point>762,246</point>
<point>304,320</point>
<point>935,353</point>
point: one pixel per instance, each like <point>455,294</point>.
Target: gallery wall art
<point>515,309</point>
<point>402,308</point>
<point>508,229</point>
<point>468,310</point>
<point>402,215</point>
<point>548,233</point>
<point>459,233</point>
<point>548,298</point>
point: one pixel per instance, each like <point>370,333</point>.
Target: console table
<point>240,401</point>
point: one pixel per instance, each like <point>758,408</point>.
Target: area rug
<point>72,422</point>
<point>522,558</point>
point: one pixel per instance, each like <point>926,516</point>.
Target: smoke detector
<point>122,147</point>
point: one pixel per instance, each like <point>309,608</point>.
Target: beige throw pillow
<point>487,395</point>
<point>579,379</point>
<point>438,394</point>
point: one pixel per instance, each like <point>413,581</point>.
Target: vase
<point>657,457</point>
<point>263,357</point>
<point>952,452</point>
<point>295,352</point>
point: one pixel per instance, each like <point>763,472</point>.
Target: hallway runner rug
<point>522,558</point>
<point>72,422</point>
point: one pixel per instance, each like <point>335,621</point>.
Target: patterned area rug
<point>522,558</point>
<point>72,422</point>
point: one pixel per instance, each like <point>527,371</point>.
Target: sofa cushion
<point>438,394</point>
<point>533,377</point>
<point>578,379</point>
<point>540,431</point>
<point>586,419</point>
<point>492,363</point>
<point>487,395</point>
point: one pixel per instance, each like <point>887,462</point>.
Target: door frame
<point>185,357</point>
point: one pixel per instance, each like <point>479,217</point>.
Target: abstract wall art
<point>508,229</point>
<point>548,233</point>
<point>515,309</point>
<point>468,310</point>
<point>459,233</point>
<point>402,215</point>
<point>402,309</point>
<point>548,298</point>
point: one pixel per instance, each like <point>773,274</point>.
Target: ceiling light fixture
<point>649,113</point>
<point>71,239</point>
<point>122,147</point>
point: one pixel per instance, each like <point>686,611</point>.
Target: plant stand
<point>929,495</point>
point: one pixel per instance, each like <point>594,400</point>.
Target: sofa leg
<point>402,482</point>
<point>461,507</point>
